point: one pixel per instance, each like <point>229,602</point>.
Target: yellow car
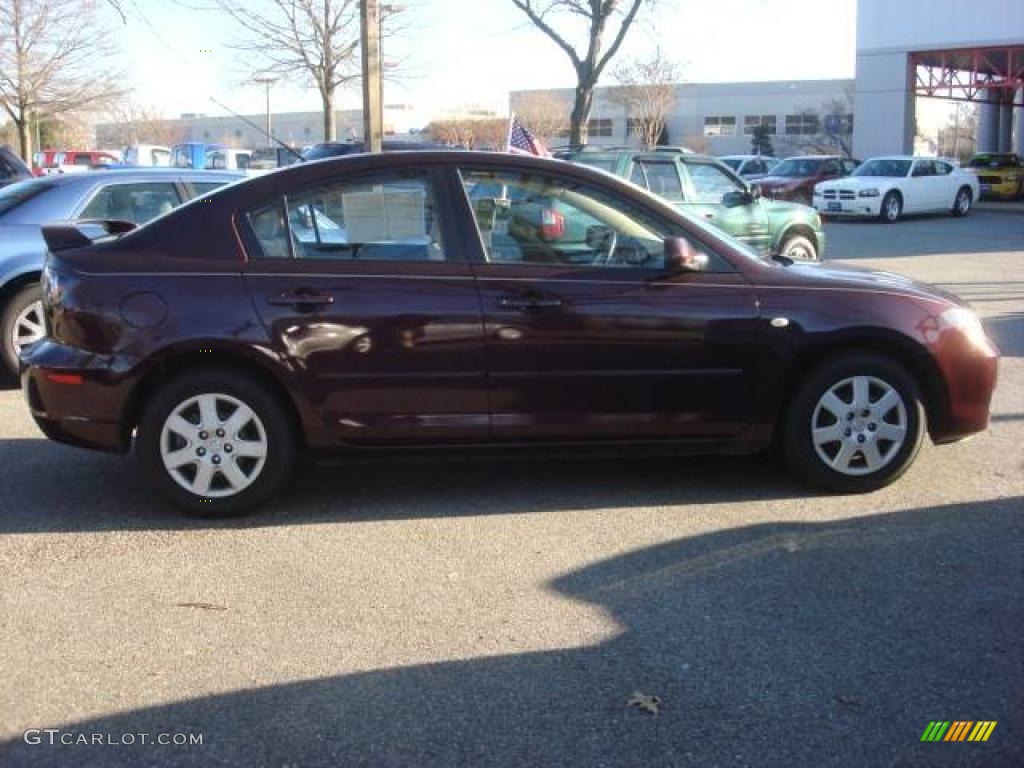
<point>1001,175</point>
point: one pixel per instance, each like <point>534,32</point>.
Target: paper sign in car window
<point>385,215</point>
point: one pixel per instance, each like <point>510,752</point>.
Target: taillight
<point>552,224</point>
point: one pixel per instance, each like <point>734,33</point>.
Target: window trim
<point>476,251</point>
<point>439,185</point>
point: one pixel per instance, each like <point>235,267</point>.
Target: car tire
<point>227,473</point>
<point>892,208</point>
<point>865,451</point>
<point>23,312</point>
<point>962,202</point>
<point>799,247</point>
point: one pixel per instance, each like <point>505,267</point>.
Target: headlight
<point>965,321</point>
<point>868,193</point>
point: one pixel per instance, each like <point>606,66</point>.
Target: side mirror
<point>681,256</point>
<point>736,198</point>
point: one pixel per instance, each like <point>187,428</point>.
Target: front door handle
<point>305,299</point>
<point>527,303</point>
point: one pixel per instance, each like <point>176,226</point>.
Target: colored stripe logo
<point>958,730</point>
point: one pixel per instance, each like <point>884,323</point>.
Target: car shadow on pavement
<point>776,644</point>
<point>54,488</point>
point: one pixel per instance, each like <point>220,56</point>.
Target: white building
<point>971,51</point>
<point>719,118</point>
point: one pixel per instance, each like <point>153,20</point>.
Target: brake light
<point>552,224</point>
<point>64,378</point>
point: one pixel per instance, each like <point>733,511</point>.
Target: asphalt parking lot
<point>482,613</point>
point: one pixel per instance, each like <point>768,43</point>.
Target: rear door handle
<point>526,303</point>
<point>301,298</point>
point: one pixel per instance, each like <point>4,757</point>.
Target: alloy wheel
<point>28,326</point>
<point>859,425</point>
<point>963,202</point>
<point>892,208</point>
<point>213,445</point>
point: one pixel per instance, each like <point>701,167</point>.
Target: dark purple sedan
<point>402,300</point>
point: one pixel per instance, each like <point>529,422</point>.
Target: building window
<point>719,126</point>
<point>802,125</point>
<point>601,126</point>
<point>838,123</point>
<point>750,122</point>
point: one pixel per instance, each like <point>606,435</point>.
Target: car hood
<point>829,275</point>
<point>781,181</point>
<point>785,207</point>
<point>857,182</point>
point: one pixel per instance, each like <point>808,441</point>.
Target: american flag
<point>521,141</point>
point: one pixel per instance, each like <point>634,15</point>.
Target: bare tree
<point>308,41</point>
<point>134,123</point>
<point>471,133</point>
<point>544,115</point>
<point>834,132</point>
<point>52,62</point>
<point>595,16</point>
<point>647,91</point>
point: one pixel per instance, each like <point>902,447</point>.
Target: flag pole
<point>508,133</point>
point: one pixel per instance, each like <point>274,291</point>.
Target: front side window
<point>663,180</point>
<point>390,217</point>
<point>710,183</point>
<point>137,203</point>
<point>943,169</point>
<point>531,218</point>
<point>924,168</point>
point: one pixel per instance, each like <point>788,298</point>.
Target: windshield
<point>14,195</point>
<point>732,162</point>
<point>993,161</point>
<point>797,167</point>
<point>601,162</point>
<point>884,167</point>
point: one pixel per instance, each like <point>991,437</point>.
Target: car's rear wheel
<point>892,207</point>
<point>855,425</point>
<point>799,247</point>
<point>215,443</point>
<point>22,324</point>
<point>962,203</point>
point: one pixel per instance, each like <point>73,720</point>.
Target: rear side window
<point>391,217</point>
<point>137,203</point>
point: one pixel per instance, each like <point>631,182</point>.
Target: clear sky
<point>459,52</point>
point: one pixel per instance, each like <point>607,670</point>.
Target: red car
<point>64,160</point>
<point>374,301</point>
<point>794,178</point>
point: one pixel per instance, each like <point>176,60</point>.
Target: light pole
<point>267,81</point>
<point>373,112</point>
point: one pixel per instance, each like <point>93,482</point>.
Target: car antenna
<point>251,124</point>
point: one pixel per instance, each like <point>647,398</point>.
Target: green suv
<point>704,187</point>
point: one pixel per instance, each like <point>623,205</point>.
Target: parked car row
<point>427,299</point>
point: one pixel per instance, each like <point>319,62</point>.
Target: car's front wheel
<point>892,207</point>
<point>962,203</point>
<point>855,425</point>
<point>800,248</point>
<point>22,324</point>
<point>215,443</point>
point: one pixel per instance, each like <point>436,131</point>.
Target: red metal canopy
<point>970,74</point>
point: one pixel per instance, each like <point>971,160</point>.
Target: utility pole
<point>373,92</point>
<point>268,81</point>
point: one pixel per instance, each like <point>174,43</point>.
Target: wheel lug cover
<point>220,433</point>
<point>228,448</point>
<point>860,439</point>
<point>216,459</point>
<point>848,432</point>
<point>204,435</point>
<point>200,451</point>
